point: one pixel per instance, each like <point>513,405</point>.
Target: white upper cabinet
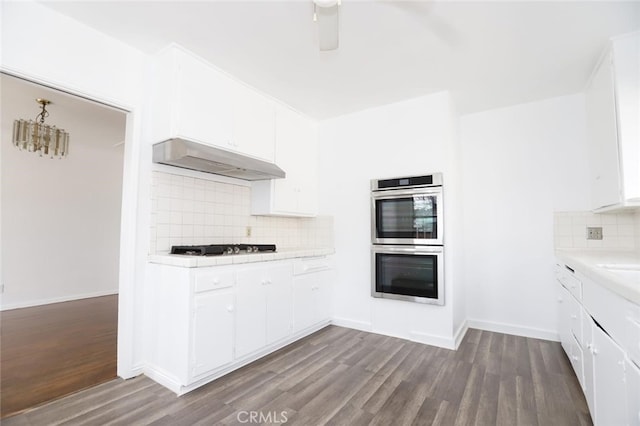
<point>296,152</point>
<point>193,100</point>
<point>253,129</point>
<point>613,122</point>
<point>190,99</point>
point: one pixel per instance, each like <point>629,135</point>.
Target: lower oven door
<point>413,273</point>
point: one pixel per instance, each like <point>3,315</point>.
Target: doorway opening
<point>60,226</point>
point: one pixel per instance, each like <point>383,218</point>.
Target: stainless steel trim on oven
<point>438,251</point>
<point>404,193</point>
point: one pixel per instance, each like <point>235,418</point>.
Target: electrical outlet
<point>248,232</point>
<point>594,232</point>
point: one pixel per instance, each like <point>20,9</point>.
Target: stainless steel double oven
<point>407,254</point>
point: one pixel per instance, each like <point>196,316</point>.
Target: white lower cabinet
<point>263,307</point>
<point>632,373</point>
<point>311,292</point>
<point>206,322</point>
<point>609,380</point>
<point>589,379</point>
<point>597,332</point>
<point>564,318</point>
<point>570,329</point>
<point>311,300</point>
<point>212,339</point>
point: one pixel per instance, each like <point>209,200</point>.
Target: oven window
<point>412,217</point>
<point>411,275</point>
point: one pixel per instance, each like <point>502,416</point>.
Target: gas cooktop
<point>220,249</point>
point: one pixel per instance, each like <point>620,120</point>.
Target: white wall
<point>60,218</point>
<point>519,165</point>
<point>81,60</point>
<point>402,139</point>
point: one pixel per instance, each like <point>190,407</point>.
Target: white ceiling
<point>488,54</point>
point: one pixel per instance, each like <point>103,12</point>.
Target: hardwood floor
<point>54,350</point>
<point>339,376</point>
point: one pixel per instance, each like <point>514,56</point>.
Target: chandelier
<point>36,136</point>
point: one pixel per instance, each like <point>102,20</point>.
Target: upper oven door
<point>407,216</point>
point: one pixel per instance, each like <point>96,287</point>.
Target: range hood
<point>205,158</point>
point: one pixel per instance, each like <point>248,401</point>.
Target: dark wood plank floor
<point>339,376</point>
<point>54,350</point>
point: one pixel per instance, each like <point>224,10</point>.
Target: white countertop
<point>186,261</point>
<point>586,263</point>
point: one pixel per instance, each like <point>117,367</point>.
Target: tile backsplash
<point>619,230</point>
<point>188,210</point>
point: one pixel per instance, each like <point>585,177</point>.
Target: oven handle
<point>418,250</point>
<point>399,193</point>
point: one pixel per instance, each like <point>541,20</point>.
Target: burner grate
<point>220,249</point>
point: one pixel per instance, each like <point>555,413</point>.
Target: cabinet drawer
<point>212,280</point>
<point>310,265</point>
<point>572,284</point>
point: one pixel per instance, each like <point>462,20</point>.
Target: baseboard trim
<point>414,336</point>
<point>131,374</point>
<point>41,302</point>
<point>432,340</point>
<point>353,324</point>
<point>460,333</point>
<point>516,330</point>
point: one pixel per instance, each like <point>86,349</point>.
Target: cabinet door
<point>203,103</point>
<point>312,300</point>
<point>588,361</point>
<point>304,306</point>
<point>633,393</point>
<point>564,318</point>
<point>577,361</point>
<point>290,150</point>
<point>609,386</point>
<point>324,295</point>
<point>626,59</point>
<point>279,303</point>
<point>212,340</point>
<point>251,313</point>
<point>253,123</point>
<point>296,153</point>
<point>602,137</point>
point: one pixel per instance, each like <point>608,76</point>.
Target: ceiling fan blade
<point>327,27</point>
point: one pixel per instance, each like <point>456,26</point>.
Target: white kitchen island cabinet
<point>613,127</point>
<point>205,322</point>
